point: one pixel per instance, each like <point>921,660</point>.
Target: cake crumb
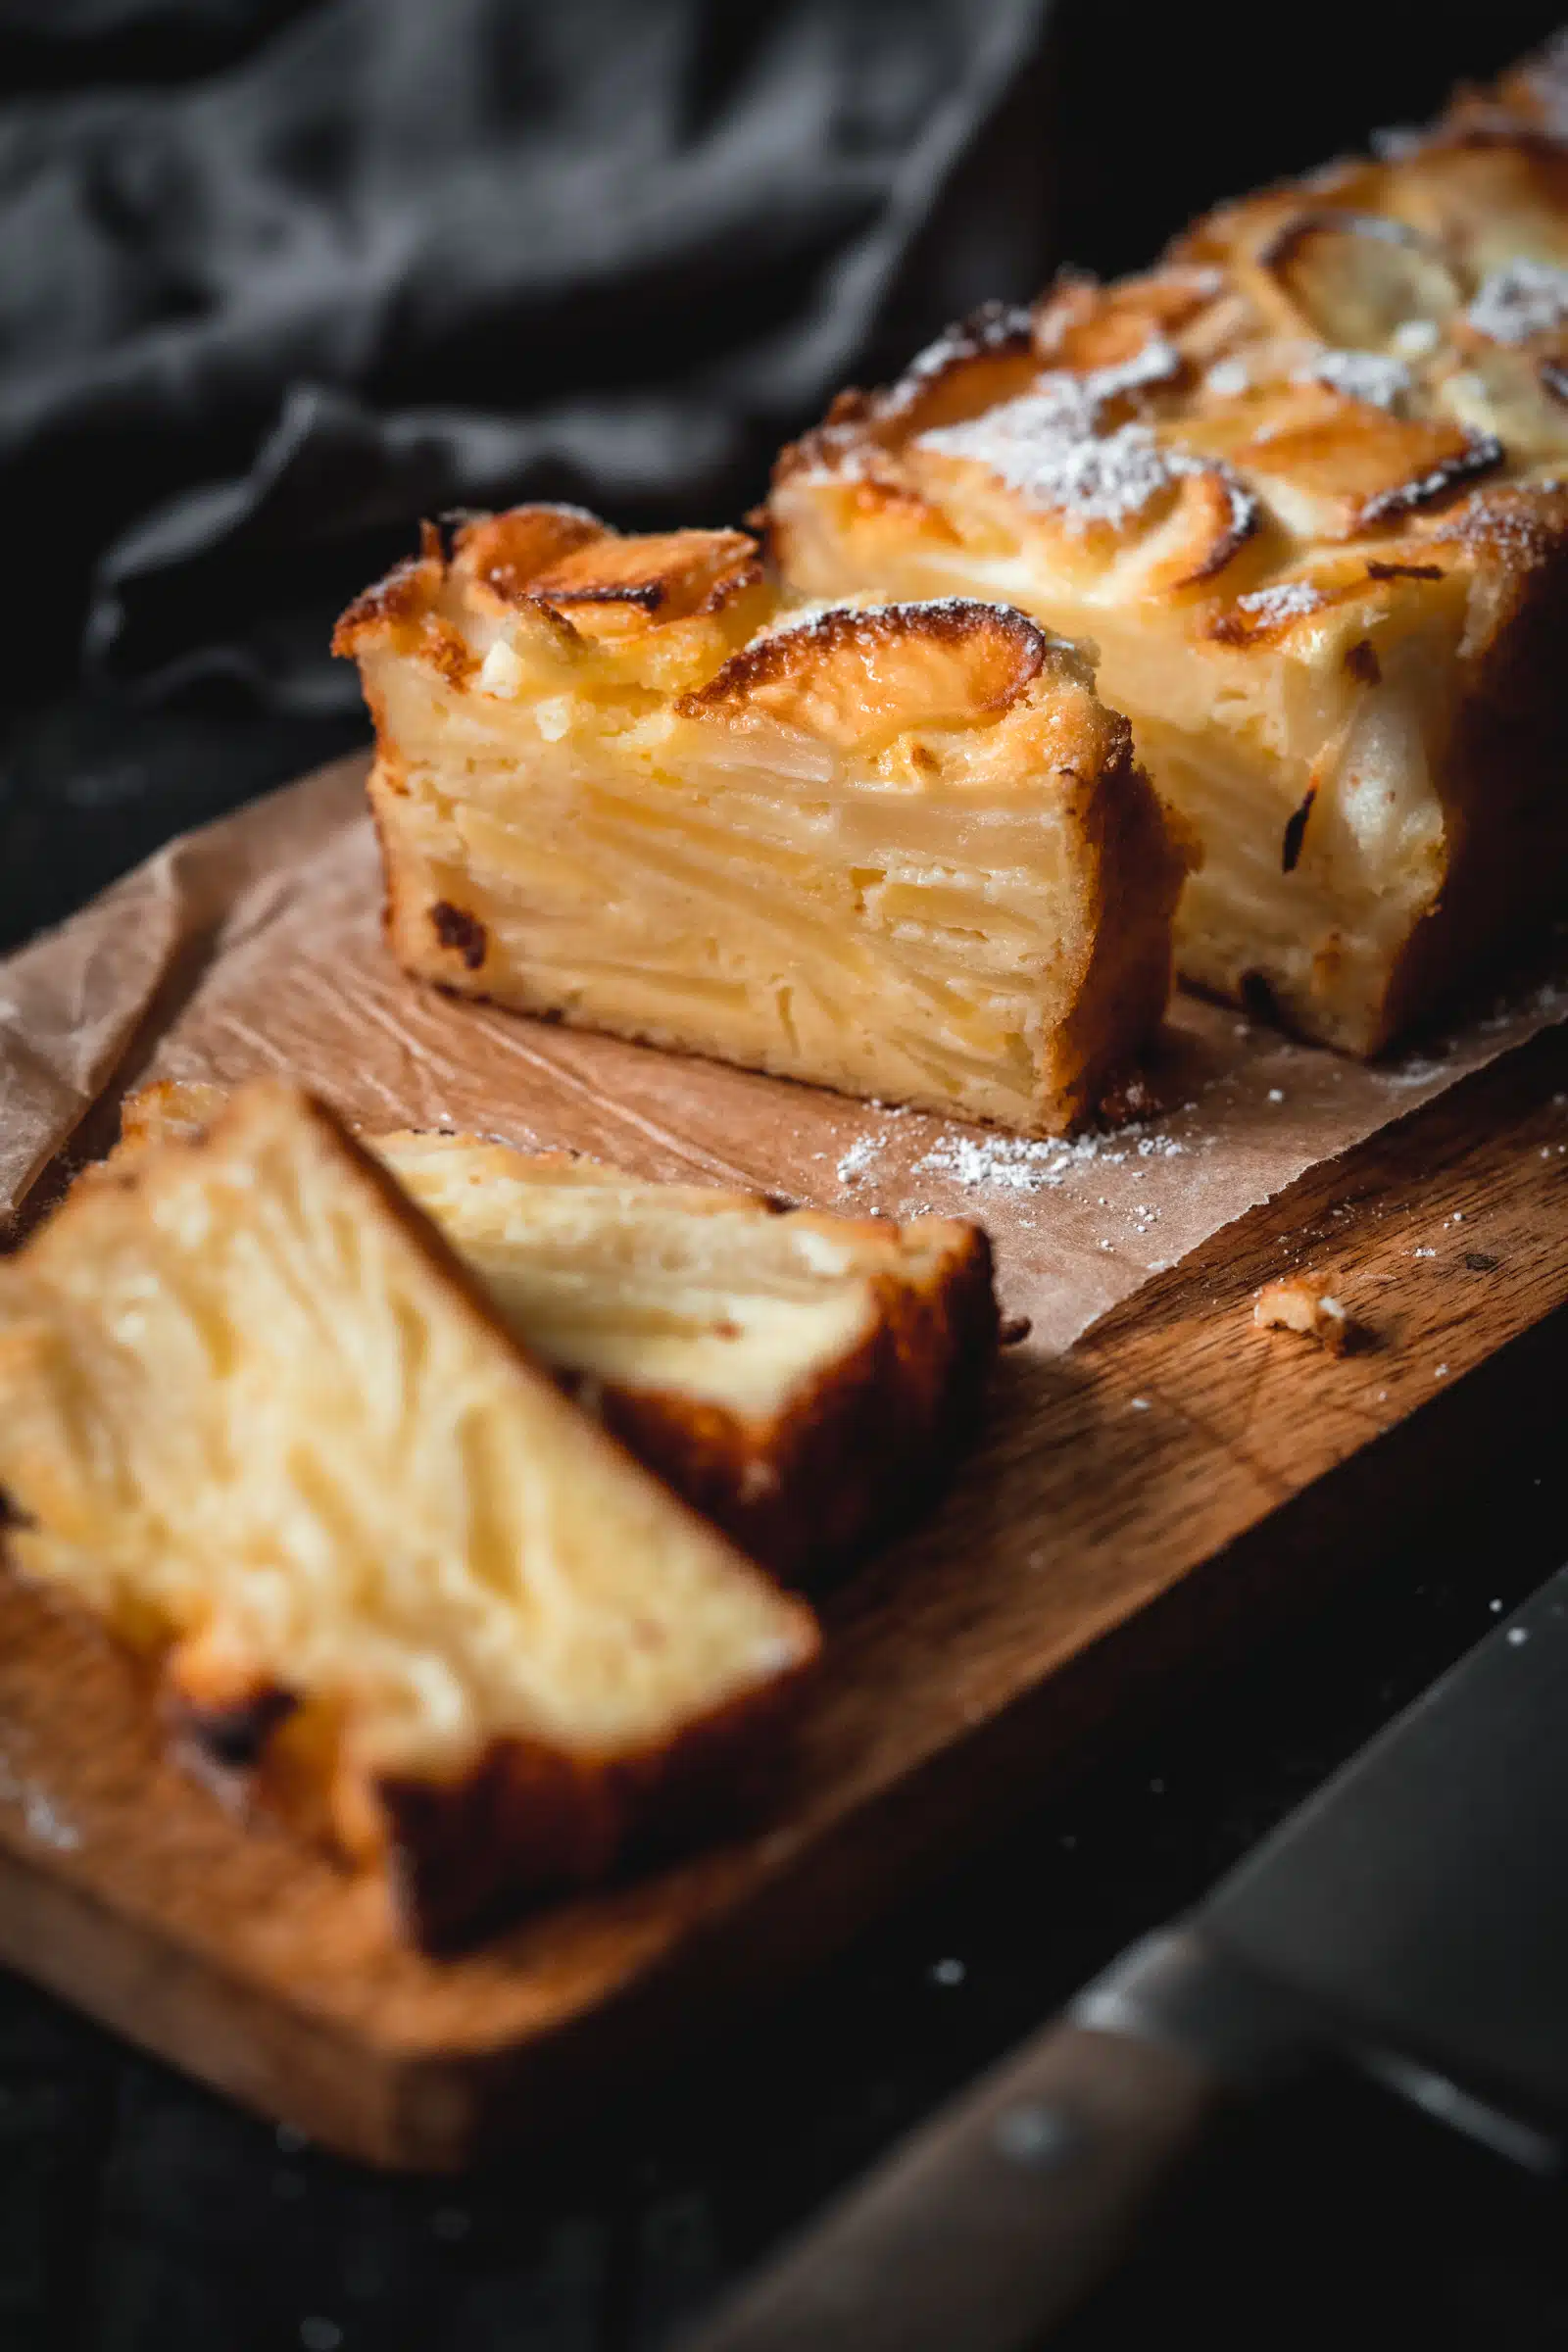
<point>1295,1303</point>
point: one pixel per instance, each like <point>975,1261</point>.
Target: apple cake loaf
<point>903,851</point>
<point>256,1417</point>
<point>799,1377</point>
<point>1306,487</point>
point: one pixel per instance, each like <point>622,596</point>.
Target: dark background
<point>277,277</point>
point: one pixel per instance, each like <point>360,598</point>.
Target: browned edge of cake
<point>523,1819</point>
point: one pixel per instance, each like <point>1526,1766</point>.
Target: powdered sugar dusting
<point>1416,338</point>
<point>42,1818</point>
<point>1523,300</point>
<point>1481,452</point>
<point>1016,1163</point>
<point>1243,504</point>
<point>992,327</point>
<point>1369,376</point>
<point>859,1157</point>
<point>1047,445</point>
<point>805,617</point>
<point>1227,379</point>
<point>1286,599</point>
<point>1158,362</point>
<point>1377,224</point>
<point>1033,445</point>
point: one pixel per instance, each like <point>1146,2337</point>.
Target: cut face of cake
<point>799,1377</point>
<point>255,1415</point>
<point>1303,486</point>
<point>900,851</point>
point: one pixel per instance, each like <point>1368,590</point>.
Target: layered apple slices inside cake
<point>799,1377</point>
<point>1303,486</point>
<point>255,1414</point>
<point>903,851</point>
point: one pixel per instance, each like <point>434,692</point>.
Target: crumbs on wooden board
<point>1296,1302</point>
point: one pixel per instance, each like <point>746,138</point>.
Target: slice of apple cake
<point>801,1378</point>
<point>902,851</point>
<point>256,1417</point>
<point>1305,486</point>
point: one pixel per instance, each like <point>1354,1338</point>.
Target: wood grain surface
<point>1133,1512</point>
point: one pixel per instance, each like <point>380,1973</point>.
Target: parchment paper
<point>255,944</point>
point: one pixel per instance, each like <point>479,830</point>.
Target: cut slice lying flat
<point>256,1416</point>
<point>799,1377</point>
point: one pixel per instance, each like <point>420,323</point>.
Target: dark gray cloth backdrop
<point>398,255</point>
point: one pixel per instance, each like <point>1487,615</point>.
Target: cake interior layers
<point>251,1409</point>
<point>1314,793</point>
<point>665,1286</point>
<point>1305,488</point>
<point>903,853</point>
<point>797,1375</point>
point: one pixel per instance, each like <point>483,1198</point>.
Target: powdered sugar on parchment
<point>1016,1163</point>
<point>856,1161</point>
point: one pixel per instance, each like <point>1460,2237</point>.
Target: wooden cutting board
<point>1134,1513</point>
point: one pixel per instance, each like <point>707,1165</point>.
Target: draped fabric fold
<point>385,257</point>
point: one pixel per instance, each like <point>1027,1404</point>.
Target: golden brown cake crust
<point>1334,419</point>
<point>462,1855</point>
<point>670,667</point>
<point>769,673</point>
<point>805,1491</point>
<point>523,1814</point>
